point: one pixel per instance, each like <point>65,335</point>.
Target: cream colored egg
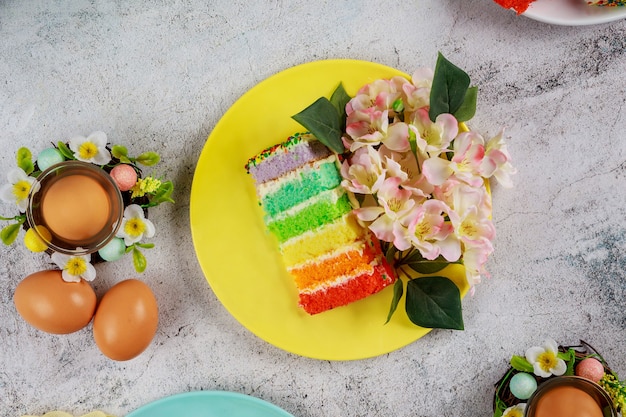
<point>126,320</point>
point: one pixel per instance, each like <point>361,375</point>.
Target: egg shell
<point>113,250</point>
<point>124,176</point>
<point>48,157</point>
<point>126,320</point>
<point>55,306</point>
<point>590,368</point>
<point>567,402</point>
<point>522,385</point>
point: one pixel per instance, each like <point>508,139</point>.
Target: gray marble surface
<point>160,74</point>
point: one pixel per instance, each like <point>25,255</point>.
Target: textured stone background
<point>160,74</point>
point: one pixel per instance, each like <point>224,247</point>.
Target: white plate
<point>573,12</point>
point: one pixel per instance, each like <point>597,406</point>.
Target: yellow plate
<point>240,259</point>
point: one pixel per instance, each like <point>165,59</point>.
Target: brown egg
<point>567,402</point>
<point>75,207</point>
<point>50,304</point>
<point>126,320</point>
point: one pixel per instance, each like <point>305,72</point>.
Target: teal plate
<point>209,404</point>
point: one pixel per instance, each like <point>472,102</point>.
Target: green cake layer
<point>281,195</point>
<point>317,212</point>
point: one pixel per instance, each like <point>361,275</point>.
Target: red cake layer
<point>355,289</point>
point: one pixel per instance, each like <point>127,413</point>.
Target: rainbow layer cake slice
<point>331,258</point>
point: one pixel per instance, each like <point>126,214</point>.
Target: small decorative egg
<point>55,306</point>
<point>126,320</point>
<point>590,368</point>
<point>33,238</point>
<point>113,250</point>
<point>49,157</point>
<point>522,385</point>
<point>124,176</point>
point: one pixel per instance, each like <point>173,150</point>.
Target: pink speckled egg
<point>124,176</point>
<point>591,369</point>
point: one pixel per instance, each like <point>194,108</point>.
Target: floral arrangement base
<point>541,364</point>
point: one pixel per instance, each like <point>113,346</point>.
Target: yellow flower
<point>145,186</point>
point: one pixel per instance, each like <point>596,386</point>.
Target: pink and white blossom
<point>417,92</point>
<point>465,165</point>
<point>430,232</point>
<point>497,161</point>
<point>363,172</point>
<point>367,127</point>
<point>394,203</point>
<point>433,138</point>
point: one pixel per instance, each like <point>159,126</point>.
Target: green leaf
<point>398,290</point>
<point>163,194</point>
<point>25,160</point>
<point>139,260</point>
<point>434,302</point>
<point>9,233</point>
<point>145,245</point>
<point>65,151</point>
<point>519,363</point>
<point>419,264</point>
<point>468,108</point>
<point>570,359</point>
<point>413,142</point>
<point>390,254</point>
<point>339,99</point>
<point>449,88</point>
<point>148,158</point>
<point>323,120</point>
<point>398,106</point>
<point>119,151</point>
<point>428,267</point>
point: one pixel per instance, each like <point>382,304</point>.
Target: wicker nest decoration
<point>572,356</point>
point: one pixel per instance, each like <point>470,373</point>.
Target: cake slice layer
<point>279,159</point>
<point>356,260</point>
<point>319,213</point>
<point>347,291</point>
<point>323,240</point>
<point>299,187</point>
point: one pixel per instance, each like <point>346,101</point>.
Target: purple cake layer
<point>295,152</point>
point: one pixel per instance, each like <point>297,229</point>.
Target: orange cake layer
<point>346,263</point>
<point>348,291</point>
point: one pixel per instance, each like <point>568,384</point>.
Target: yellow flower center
<point>468,229</point>
<point>135,227</point>
<point>87,150</point>
<point>422,230</point>
<point>515,413</point>
<point>395,204</point>
<point>21,189</point>
<point>547,361</point>
<point>76,266</point>
<point>432,135</point>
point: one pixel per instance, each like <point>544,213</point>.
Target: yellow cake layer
<point>325,239</point>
